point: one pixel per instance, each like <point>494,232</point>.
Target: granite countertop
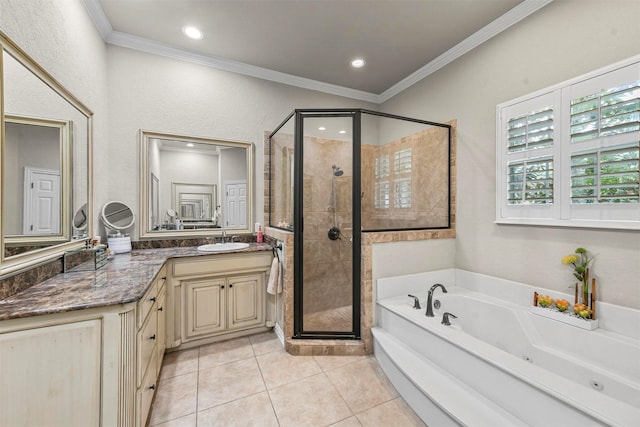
<point>124,279</point>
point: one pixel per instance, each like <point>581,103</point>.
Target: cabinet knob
<point>231,286</point>
<point>152,387</point>
<point>152,337</point>
<point>164,278</point>
<point>152,299</point>
<point>222,287</point>
<point>159,308</point>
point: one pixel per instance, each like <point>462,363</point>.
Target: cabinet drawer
<point>146,344</point>
<point>146,303</point>
<point>145,393</point>
<point>222,263</point>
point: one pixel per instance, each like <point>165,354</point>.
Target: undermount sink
<point>221,247</point>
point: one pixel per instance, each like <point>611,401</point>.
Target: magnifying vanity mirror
<point>194,186</point>
<point>117,217</point>
<point>46,148</point>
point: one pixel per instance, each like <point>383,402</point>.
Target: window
<point>402,161</point>
<point>569,155</point>
<point>402,193</point>
<point>381,195</point>
<point>381,166</point>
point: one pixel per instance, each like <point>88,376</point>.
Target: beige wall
<point>565,39</point>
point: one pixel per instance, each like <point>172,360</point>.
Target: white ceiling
<point>309,43</point>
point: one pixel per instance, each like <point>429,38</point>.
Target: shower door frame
<point>298,227</point>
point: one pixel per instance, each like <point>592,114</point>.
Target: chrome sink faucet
<point>224,237</point>
<point>429,312</point>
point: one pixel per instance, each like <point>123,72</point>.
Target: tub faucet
<point>445,318</point>
<point>429,312</point>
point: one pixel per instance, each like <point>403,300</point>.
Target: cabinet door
<point>245,301</point>
<point>51,375</point>
<point>205,311</point>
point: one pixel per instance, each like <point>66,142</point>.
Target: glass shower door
<point>326,294</point>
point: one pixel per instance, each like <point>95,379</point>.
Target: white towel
<point>274,286</point>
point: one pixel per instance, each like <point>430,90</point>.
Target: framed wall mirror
<point>46,152</point>
<point>194,186</point>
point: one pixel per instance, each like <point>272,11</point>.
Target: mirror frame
<point>17,263</point>
<point>145,187</point>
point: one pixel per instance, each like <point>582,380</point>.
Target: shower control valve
<point>334,233</point>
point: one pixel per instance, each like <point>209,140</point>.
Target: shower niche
<point>335,174</point>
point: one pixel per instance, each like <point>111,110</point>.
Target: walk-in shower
<point>336,174</point>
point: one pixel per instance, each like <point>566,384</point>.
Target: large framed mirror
<point>194,186</point>
<point>46,163</point>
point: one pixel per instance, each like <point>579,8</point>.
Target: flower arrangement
<point>580,261</point>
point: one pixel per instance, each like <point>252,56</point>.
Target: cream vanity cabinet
<point>217,296</point>
<point>93,367</point>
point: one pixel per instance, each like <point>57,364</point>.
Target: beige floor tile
<point>362,384</point>
<point>251,411</point>
<point>328,363</point>
<point>396,413</point>
<point>231,381</point>
<point>311,401</point>
<point>349,422</point>
<point>175,398</point>
<point>179,363</point>
<point>186,421</point>
<point>280,368</point>
<point>224,352</point>
<point>265,343</point>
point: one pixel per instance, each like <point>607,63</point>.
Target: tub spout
<point>429,312</point>
<point>445,318</point>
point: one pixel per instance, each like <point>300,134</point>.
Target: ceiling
<point>309,43</point>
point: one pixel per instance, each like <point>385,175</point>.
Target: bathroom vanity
<point>86,348</point>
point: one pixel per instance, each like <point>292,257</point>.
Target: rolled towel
<point>273,285</point>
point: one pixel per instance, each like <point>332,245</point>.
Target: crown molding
<point>98,17</point>
<point>150,46</point>
<point>513,16</point>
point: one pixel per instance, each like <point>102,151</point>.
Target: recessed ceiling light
<point>190,144</point>
<point>192,32</point>
<point>343,131</point>
<point>322,128</point>
<point>358,63</point>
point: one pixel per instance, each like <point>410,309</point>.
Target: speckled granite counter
<point>124,279</point>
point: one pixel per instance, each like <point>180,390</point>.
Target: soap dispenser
<point>259,236</point>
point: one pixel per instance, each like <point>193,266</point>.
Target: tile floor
<point>252,381</point>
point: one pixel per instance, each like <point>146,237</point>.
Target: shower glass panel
<point>327,251</point>
<point>281,173</point>
<point>405,173</point>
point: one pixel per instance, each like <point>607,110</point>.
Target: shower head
<point>337,171</point>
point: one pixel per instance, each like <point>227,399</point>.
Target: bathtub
<point>500,364</point>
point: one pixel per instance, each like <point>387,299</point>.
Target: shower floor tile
<point>254,382</point>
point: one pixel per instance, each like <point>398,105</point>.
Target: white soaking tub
<point>499,364</point>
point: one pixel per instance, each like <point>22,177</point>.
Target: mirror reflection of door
<point>236,204</point>
<point>41,201</point>
<point>32,176</point>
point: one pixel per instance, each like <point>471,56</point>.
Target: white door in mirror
<point>220,247</point>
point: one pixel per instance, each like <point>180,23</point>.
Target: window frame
<point>562,212</point>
